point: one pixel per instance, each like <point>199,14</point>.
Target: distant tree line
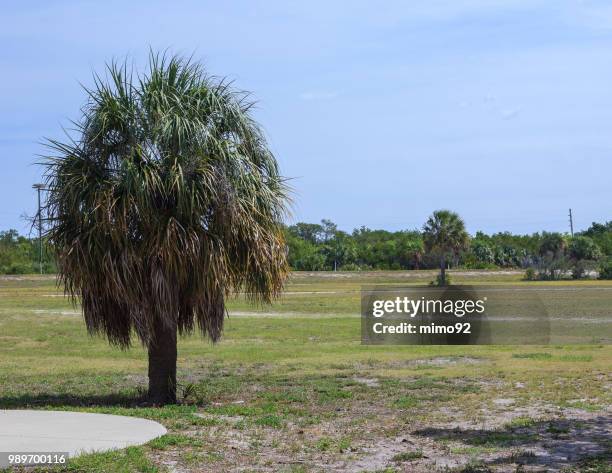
<point>20,254</point>
<point>323,247</point>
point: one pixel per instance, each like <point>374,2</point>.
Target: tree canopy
<point>166,200</point>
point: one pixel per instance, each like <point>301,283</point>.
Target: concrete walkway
<point>72,432</point>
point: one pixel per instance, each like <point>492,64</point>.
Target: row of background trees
<point>323,247</point>
<point>319,247</point>
<point>20,254</point>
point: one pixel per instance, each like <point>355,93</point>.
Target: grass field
<point>291,388</point>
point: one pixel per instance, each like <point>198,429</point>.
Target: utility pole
<point>571,221</point>
<point>39,187</point>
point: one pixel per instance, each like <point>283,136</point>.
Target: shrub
<point>20,267</point>
<point>350,267</point>
<point>482,252</point>
<point>605,269</point>
<point>553,266</point>
<point>584,248</point>
<point>578,270</point>
<point>581,268</point>
<point>530,275</point>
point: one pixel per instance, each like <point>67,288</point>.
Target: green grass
<point>406,402</point>
<point>408,456</point>
<point>557,429</point>
<point>502,439</point>
<point>284,382</point>
<point>128,460</point>
<point>473,450</point>
<point>521,422</point>
<point>533,356</point>
<point>270,420</point>
<point>595,464</point>
<point>174,440</point>
<point>584,405</point>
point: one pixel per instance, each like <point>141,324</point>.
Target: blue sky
<point>381,112</point>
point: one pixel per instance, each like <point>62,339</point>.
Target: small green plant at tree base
<point>441,280</point>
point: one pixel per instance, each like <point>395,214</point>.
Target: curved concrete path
<point>72,432</point>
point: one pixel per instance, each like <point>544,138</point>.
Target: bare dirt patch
<point>364,423</point>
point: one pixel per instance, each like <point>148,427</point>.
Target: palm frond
<point>167,202</point>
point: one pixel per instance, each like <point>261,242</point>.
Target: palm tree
<point>444,234</point>
<point>165,202</point>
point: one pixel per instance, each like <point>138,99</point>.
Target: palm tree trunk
<point>442,271</point>
<point>162,365</point>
